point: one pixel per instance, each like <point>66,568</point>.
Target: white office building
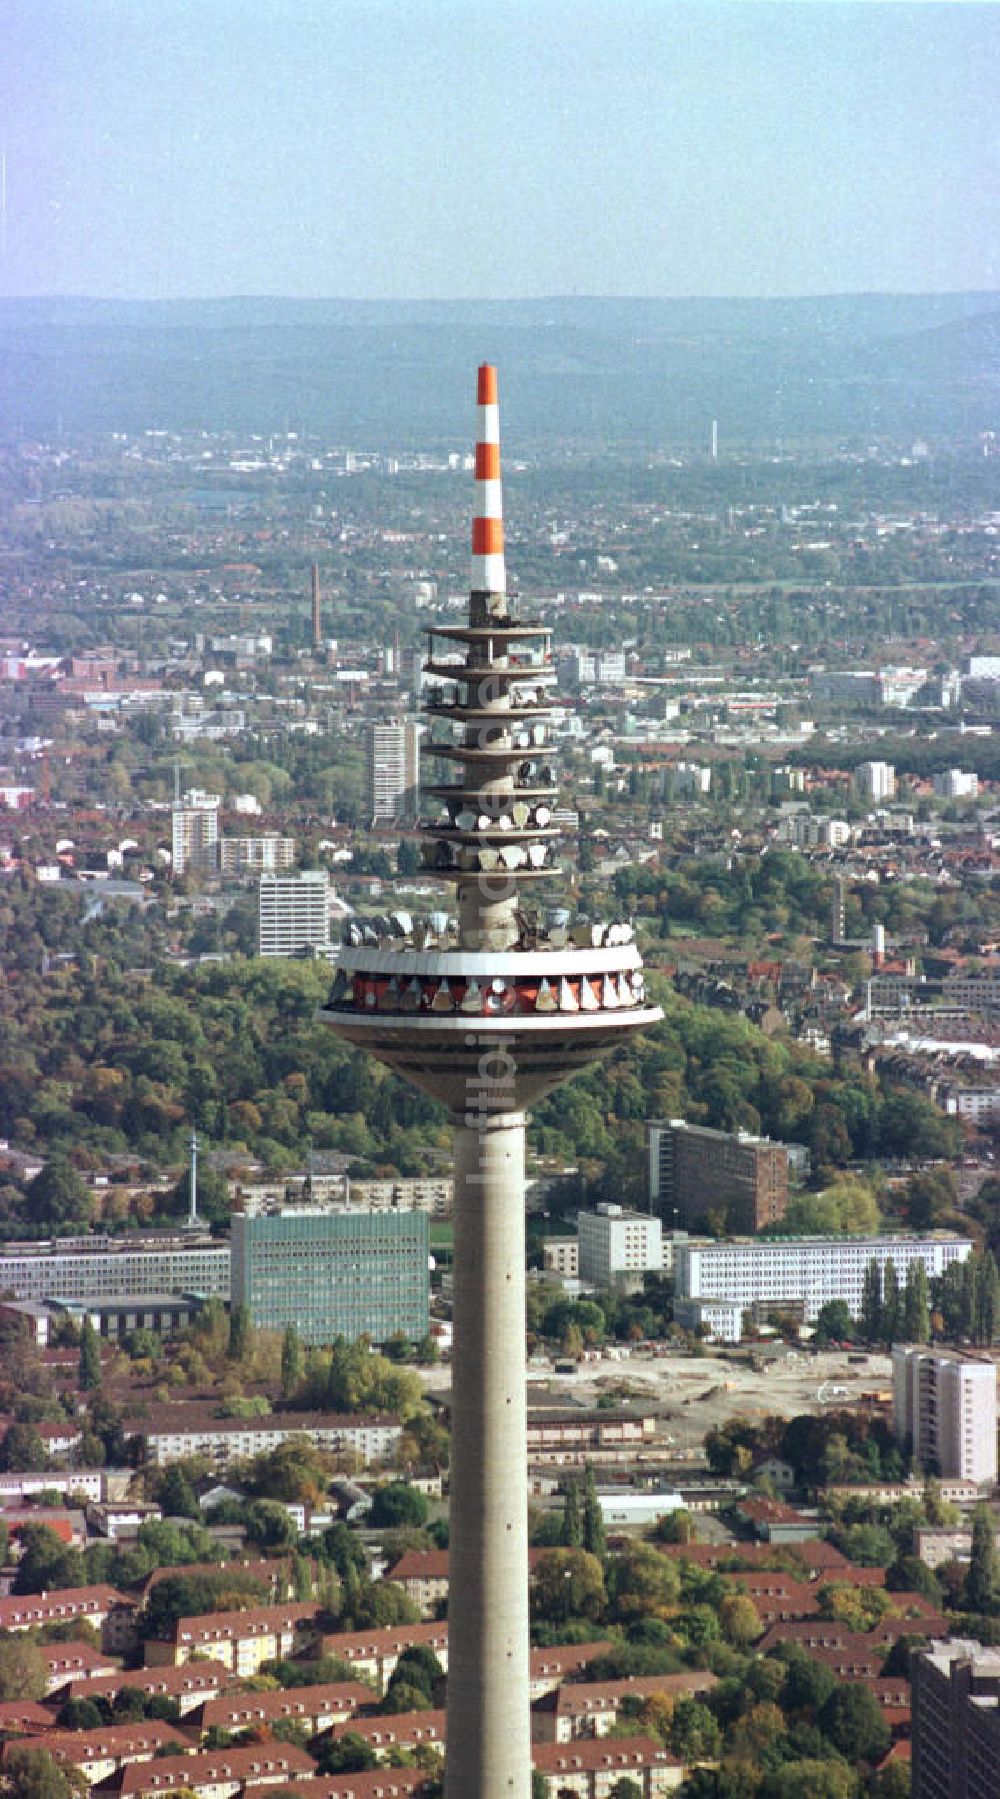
<point>293,913</point>
<point>810,1270</point>
<point>195,832</point>
<point>875,781</point>
<point>392,784</point>
<point>957,784</point>
<point>617,1246</point>
<point>115,1268</point>
<point>945,1406</point>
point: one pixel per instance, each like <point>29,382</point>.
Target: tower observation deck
<point>487,1011</point>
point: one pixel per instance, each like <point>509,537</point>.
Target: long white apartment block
<point>945,1405</point>
<point>103,1268</point>
<point>810,1269</point>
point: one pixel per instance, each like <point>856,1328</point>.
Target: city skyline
<point>377,150</point>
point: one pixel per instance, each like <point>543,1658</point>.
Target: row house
<point>821,1560</point>
<point>189,1686</point>
<point>74,1664</point>
<point>24,1718</point>
<point>563,1661</point>
<point>241,1641</point>
<point>374,1783</point>
<point>593,1769</point>
<point>103,1607</point>
<point>173,1432</point>
<point>218,1773</point>
<point>374,1653</point>
<point>592,1709</point>
<point>317,1708</point>
<point>401,1731</point>
<point>98,1754</point>
<point>275,1576</point>
<point>423,1576</point>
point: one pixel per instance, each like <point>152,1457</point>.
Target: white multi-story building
<point>618,1246</point>
<point>945,1405</point>
<point>293,913</point>
<point>957,784</point>
<point>875,781</point>
<point>810,1270</point>
<point>270,853</point>
<point>113,1268</point>
<point>807,830</point>
<point>392,769</point>
<point>195,831</point>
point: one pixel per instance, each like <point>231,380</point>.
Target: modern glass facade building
<point>333,1273</point>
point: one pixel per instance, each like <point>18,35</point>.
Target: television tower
<point>487,1012</point>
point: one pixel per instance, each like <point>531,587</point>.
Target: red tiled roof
<point>589,1754</point>
<point>44,1608</point>
<point>110,1742</point>
<point>395,1730</point>
<point>236,1711</point>
<point>255,1621</point>
<point>245,1762</point>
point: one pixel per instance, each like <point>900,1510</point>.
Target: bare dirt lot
<point>693,1393</point>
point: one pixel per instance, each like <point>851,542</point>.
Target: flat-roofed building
<point>956,1721</point>
<point>694,1171</point>
<point>945,1407</point>
<point>293,913</point>
<point>334,1272</point>
<point>618,1246</point>
<point>746,1271</point>
<point>114,1268</point>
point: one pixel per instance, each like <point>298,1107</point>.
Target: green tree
<point>694,1733</point>
<point>34,1774</point>
<point>870,1319</point>
<point>834,1323</point>
<point>292,1362</point>
<point>175,1495</point>
<point>572,1520</point>
<point>268,1523</point>
<point>567,1583</point>
<point>595,1539</point>
<point>240,1333</point>
<point>982,1582</point>
<point>46,1562</point>
<point>916,1305</point>
<point>349,1754</point>
<point>90,1358</point>
<point>891,1319</point>
<point>644,1582</point>
<point>23,1669</point>
<point>58,1196</point>
<point>397,1505</point>
<point>23,1451</point>
<point>818,1779</point>
<point>854,1722</point>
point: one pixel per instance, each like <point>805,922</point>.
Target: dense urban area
<point>763,1239</point>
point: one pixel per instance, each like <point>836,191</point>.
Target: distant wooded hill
<point>632,373</point>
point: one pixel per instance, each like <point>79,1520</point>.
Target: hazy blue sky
<point>419,148</point>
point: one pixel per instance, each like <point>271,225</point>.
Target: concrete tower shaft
<point>487,1012</point>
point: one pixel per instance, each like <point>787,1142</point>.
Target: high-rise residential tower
<point>293,913</point>
<point>392,780</point>
<point>195,832</point>
<point>487,1012</point>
